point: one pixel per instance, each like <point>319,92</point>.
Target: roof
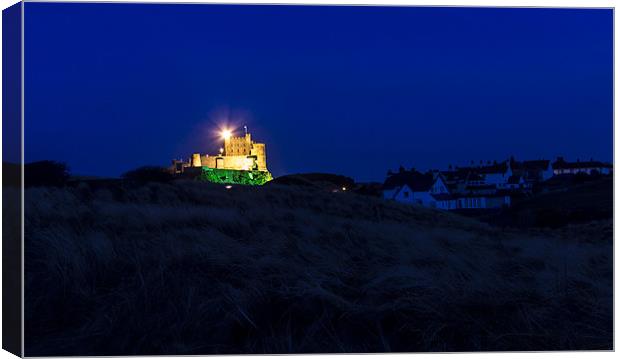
<point>418,182</point>
<point>451,176</point>
<point>480,187</point>
<point>474,177</point>
<point>514,179</point>
<point>534,165</point>
<point>494,168</point>
<point>462,172</point>
<point>561,164</point>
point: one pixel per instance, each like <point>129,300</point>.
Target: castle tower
<point>196,161</point>
<point>238,146</point>
<point>258,150</point>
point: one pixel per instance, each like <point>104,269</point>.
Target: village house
<point>531,172</point>
<point>486,186</point>
<point>410,187</point>
<point>433,189</point>
<point>560,166</point>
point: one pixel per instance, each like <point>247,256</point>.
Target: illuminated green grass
<point>224,176</point>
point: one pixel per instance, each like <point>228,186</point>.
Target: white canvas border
<point>480,3</point>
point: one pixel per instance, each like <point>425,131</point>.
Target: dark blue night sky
<point>347,90</point>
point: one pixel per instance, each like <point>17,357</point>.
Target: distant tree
<point>401,169</point>
<point>148,174</point>
<point>46,173</point>
<point>390,173</point>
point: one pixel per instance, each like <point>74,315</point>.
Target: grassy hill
<point>193,268</point>
<point>323,180</point>
<point>568,204</point>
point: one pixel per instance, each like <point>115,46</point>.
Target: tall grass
<point>192,268</point>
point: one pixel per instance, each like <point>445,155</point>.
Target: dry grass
<point>190,268</point>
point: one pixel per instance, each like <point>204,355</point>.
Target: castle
<point>238,154</point>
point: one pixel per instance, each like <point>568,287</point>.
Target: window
<point>406,194</point>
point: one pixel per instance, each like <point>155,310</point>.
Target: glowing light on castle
<point>240,160</point>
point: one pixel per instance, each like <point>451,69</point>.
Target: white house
<point>415,188</point>
<point>434,191</point>
<point>445,201</point>
<point>496,174</point>
<point>533,171</point>
<point>406,194</point>
<point>483,201</point>
<point>516,182</point>
<point>390,193</point>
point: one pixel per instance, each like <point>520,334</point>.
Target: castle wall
<point>224,162</point>
<point>208,161</point>
<point>258,150</point>
<point>238,162</point>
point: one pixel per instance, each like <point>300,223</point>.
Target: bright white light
<point>226,134</point>
<point>344,188</point>
<point>228,187</point>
